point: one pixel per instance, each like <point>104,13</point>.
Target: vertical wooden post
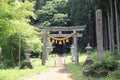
<point>44,48</point>
<point>76,49</point>
<point>99,34</point>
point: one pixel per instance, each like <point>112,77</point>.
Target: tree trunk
<point>105,34</point>
<point>117,30</point>
<point>112,26</point>
<point>109,30</point>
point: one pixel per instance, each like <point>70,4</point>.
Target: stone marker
<point>99,34</point>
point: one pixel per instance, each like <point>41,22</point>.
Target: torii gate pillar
<point>44,47</point>
<point>76,48</point>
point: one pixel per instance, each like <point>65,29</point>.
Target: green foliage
<point>77,70</point>
<point>53,13</point>
<point>59,19</point>
<point>14,25</point>
<point>115,74</point>
<point>110,65</point>
<point>78,11</point>
<point>101,68</point>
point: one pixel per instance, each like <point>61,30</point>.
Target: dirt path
<point>54,73</point>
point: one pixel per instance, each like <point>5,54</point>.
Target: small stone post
<point>99,34</point>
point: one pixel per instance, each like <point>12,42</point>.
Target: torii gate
<point>74,29</point>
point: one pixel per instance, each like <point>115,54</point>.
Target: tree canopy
<point>14,25</point>
<point>53,13</point>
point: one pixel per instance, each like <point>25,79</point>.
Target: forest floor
<point>57,72</point>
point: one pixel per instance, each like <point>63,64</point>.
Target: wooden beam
<point>58,28</point>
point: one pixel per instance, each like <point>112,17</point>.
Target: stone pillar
<point>44,47</point>
<point>99,34</point>
<point>76,49</point>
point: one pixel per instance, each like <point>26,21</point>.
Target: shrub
<point>115,74</point>
<point>110,65</point>
<point>100,69</point>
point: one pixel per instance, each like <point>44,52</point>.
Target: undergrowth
<point>107,64</point>
<point>16,74</point>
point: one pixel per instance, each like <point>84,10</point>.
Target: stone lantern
<point>27,61</point>
<point>88,59</point>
